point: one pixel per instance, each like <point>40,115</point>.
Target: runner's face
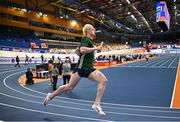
<point>92,33</point>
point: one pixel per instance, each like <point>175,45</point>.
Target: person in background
<point>109,60</point>
<point>117,59</point>
<point>32,59</point>
<point>26,60</point>
<point>59,59</point>
<point>50,68</point>
<point>53,58</point>
<point>73,59</point>
<point>29,77</point>
<point>66,71</point>
<point>55,73</point>
<point>59,66</point>
<point>147,57</point>
<point>69,59</point>
<point>42,59</point>
<point>17,61</point>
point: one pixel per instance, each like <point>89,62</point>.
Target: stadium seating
<point>15,40</point>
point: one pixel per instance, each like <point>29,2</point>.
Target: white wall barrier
<point>122,51</point>
<point>8,57</point>
<point>11,60</point>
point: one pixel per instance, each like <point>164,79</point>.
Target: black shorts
<point>84,72</point>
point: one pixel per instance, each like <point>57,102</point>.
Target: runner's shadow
<point>71,95</point>
<point>47,119</point>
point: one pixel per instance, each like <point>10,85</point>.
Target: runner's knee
<point>70,87</point>
<point>103,82</point>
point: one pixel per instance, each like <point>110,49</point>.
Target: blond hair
<point>87,27</point>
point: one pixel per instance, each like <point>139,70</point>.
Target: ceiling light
<point>98,31</point>
<point>82,11</point>
<point>73,23</point>
<point>18,9</point>
<point>61,17</point>
<point>40,13</point>
<point>128,1</point>
<point>25,10</point>
<point>87,9</point>
<point>132,16</point>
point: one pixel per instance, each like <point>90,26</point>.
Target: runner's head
<point>89,30</point>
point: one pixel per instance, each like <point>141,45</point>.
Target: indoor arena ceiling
<point>124,16</point>
<point>133,16</point>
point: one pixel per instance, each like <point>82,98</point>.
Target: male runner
<point>85,69</point>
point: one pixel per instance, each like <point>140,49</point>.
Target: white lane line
<point>171,63</point>
<point>82,104</point>
<point>75,108</point>
<point>159,62</point>
<point>149,62</point>
<point>22,66</point>
<point>13,70</point>
<point>87,101</point>
<point>4,81</point>
<point>2,66</point>
<point>51,113</point>
<point>165,62</point>
<point>103,103</point>
<point>9,68</point>
<point>107,112</point>
<point>119,113</point>
<point>136,63</point>
<point>59,106</point>
<point>131,114</point>
<point>154,61</point>
<point>10,71</point>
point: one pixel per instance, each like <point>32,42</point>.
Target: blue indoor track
<point>139,91</point>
